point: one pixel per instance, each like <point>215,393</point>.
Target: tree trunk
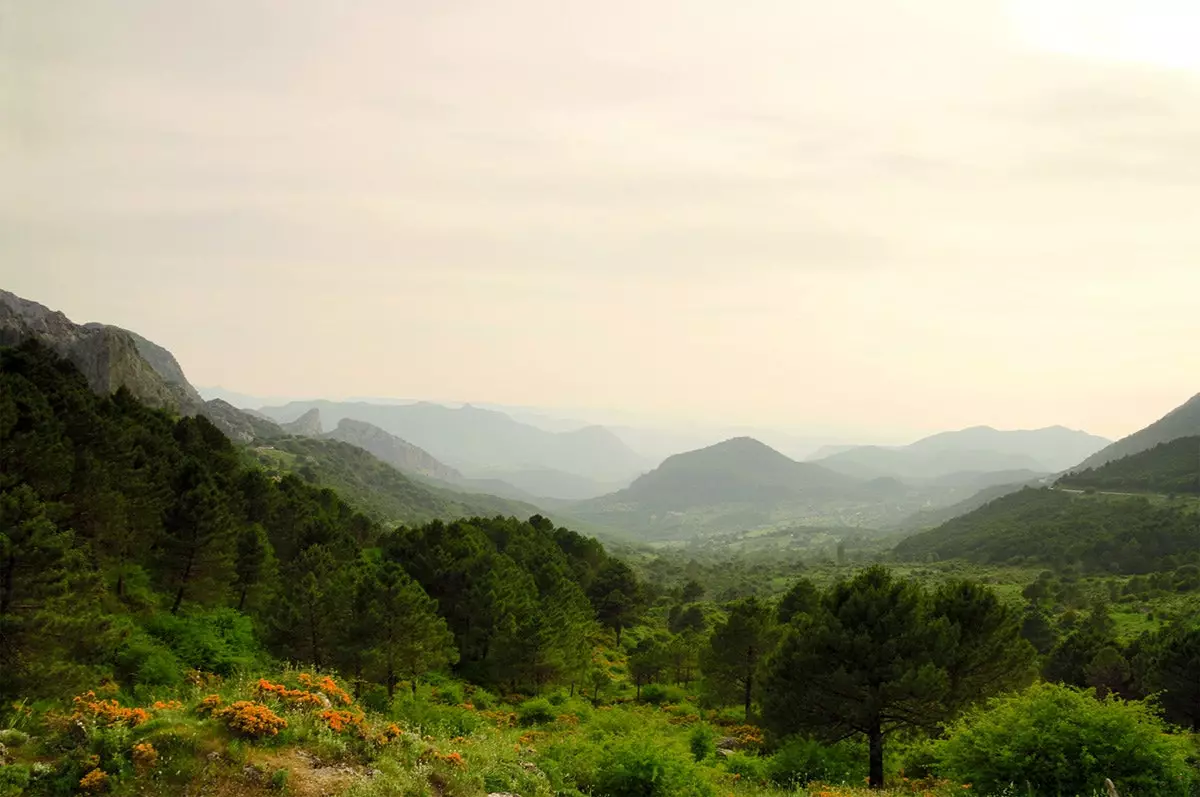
<point>875,739</point>
<point>639,691</point>
<point>391,682</point>
<point>746,697</point>
<point>242,599</point>
<point>178,600</point>
<point>618,630</point>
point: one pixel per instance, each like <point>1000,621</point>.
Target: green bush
<point>13,738</point>
<point>799,761</point>
<point>482,699</point>
<point>751,768</point>
<point>657,693</point>
<point>644,767</point>
<point>702,741</point>
<point>144,660</point>
<point>13,780</point>
<point>536,712</point>
<point>219,640</point>
<point>1063,741</point>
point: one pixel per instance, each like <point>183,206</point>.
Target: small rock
<point>729,743</point>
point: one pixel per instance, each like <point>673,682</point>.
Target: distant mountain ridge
<point>978,448</point>
<point>1183,421</point>
<point>486,443</point>
<point>742,484</point>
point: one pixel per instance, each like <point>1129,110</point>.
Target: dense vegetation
<point>373,486</point>
<point>1053,527</point>
<point>1168,468</point>
<point>175,617</point>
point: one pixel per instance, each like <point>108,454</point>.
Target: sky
<point>872,219</point>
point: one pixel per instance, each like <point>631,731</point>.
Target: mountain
<point>375,487</point>
<point>111,358</point>
<point>1056,528</point>
<point>391,449</point>
<point>1183,421</point>
<point>472,440</point>
<point>979,448</point>
<point>307,425</point>
<point>1168,468</point>
<point>744,484</point>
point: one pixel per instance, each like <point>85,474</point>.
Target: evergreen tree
<point>408,637</point>
<point>616,596</point>
<point>737,646</point>
<point>880,655</point>
<point>255,561</point>
<point>196,548</point>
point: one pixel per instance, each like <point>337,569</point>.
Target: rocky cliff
<point>110,357</point>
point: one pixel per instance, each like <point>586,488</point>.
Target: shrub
<point>656,694</point>
<point>799,761</point>
<point>702,742</point>
<point>750,768</point>
<point>11,737</point>
<point>644,767</point>
<point>13,780</point>
<point>536,712</point>
<point>1063,741</point>
<point>250,719</point>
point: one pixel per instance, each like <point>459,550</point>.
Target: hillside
<point>1183,421</point>
<point>979,448</point>
<point>1166,468</point>
<point>482,442</point>
<point>374,487</point>
<point>1056,528</point>
<point>744,484</point>
<point>398,453</point>
<point>936,516</point>
<point>110,358</point>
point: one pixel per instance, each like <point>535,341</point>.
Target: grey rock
<point>111,358</point>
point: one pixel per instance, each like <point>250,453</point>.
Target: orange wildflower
<point>94,781</point>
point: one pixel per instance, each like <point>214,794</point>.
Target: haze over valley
<point>631,399</point>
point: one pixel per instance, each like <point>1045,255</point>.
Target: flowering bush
<point>144,756</point>
<point>109,712</point>
<point>251,719</point>
<point>339,721</point>
<point>94,781</point>
<point>209,705</point>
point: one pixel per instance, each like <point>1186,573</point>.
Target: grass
<point>425,744</point>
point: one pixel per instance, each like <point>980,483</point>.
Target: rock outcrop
<point>110,358</point>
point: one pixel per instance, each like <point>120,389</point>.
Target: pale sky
<point>868,217</point>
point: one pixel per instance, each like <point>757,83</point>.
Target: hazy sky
<point>883,217</point>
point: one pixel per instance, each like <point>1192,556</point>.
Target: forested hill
<point>1051,527</point>
<point>1167,468</point>
<point>131,538</point>
<point>374,487</point>
<point>1183,421</point>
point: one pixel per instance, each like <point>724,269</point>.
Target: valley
<point>368,598</point>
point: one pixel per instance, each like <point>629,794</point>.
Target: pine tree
<point>737,646</point>
<point>879,655</point>
<point>408,638</point>
<point>196,550</point>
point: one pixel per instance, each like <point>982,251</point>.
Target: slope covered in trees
<point>129,536</point>
<point>375,487</point>
<point>1053,527</point>
<point>1167,468</point>
<point>1183,421</point>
